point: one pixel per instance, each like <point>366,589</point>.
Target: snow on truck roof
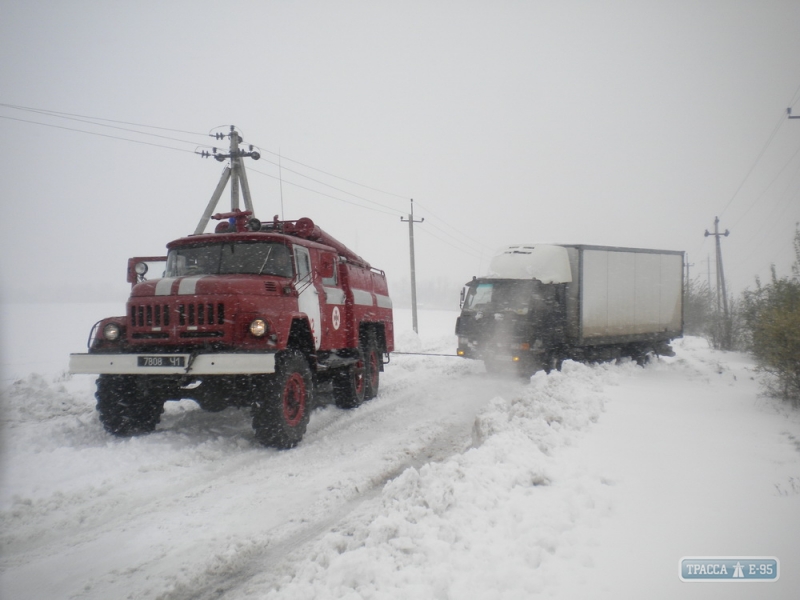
<point>548,263</point>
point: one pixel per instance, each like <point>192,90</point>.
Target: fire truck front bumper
<point>172,364</point>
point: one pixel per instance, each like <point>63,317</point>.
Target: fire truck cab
<point>266,316</point>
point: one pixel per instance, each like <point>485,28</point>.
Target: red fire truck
<point>273,316</point>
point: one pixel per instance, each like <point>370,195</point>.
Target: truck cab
<point>541,304</point>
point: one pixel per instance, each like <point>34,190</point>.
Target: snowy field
<point>592,482</point>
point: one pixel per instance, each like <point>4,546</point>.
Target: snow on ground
<point>588,483</point>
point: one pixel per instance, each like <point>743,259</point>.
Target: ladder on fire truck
<point>234,172</point>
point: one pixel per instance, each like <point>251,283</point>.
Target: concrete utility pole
<point>235,173</point>
<point>411,222</point>
<point>688,277</point>
<point>721,283</point>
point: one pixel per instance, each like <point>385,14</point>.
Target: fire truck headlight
<point>258,327</point>
<point>140,268</point>
<point>111,332</point>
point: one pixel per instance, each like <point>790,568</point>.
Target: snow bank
<point>483,524</point>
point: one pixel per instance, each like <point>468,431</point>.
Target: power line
<point>426,232</point>
<point>302,187</point>
<point>94,121</point>
<point>795,96</point>
<point>470,238</point>
<point>90,122</point>
<point>766,189</point>
<point>336,176</point>
<point>105,135</point>
<point>332,187</point>
<point>56,113</point>
<point>103,122</point>
<point>778,125</point>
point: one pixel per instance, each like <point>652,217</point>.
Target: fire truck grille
<point>202,313</point>
<point>158,315</point>
<point>150,315</point>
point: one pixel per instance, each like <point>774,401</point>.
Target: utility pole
<point>688,278</point>
<point>235,172</point>
<point>411,222</point>
<point>721,284</point>
<point>687,290</point>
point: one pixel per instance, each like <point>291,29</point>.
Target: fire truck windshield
<point>253,258</point>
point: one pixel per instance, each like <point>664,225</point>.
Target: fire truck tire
<point>350,384</point>
<point>372,362</point>
<point>126,407</point>
<point>282,408</point>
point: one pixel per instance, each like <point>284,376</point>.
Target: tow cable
<point>425,354</point>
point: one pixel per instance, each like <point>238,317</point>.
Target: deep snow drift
<point>591,482</point>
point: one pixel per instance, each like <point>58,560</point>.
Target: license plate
<point>161,361</point>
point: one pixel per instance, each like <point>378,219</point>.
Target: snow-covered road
<point>592,482</point>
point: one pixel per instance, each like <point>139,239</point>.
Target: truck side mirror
<point>463,296</point>
<point>138,267</point>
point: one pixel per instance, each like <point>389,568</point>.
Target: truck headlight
<point>111,332</point>
<point>258,327</point>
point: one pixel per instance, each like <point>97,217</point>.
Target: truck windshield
<point>253,258</point>
<point>509,295</point>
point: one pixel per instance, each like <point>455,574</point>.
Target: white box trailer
<point>624,294</point>
<point>540,304</point>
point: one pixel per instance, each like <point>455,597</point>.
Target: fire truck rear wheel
<point>127,406</point>
<point>284,401</point>
<point>350,384</point>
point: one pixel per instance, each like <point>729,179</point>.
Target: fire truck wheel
<point>284,402</point>
<point>126,406</point>
<point>349,385</point>
<point>373,366</point>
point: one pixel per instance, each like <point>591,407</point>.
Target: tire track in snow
<point>138,524</point>
<point>452,438</point>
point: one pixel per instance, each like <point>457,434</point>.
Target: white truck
<point>541,304</point>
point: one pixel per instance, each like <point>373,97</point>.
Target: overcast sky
<point>617,123</point>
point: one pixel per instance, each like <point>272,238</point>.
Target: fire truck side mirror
<point>138,267</point>
<point>325,267</point>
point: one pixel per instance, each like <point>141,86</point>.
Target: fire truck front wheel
<point>283,403</point>
<point>127,406</point>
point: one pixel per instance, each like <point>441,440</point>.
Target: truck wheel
<point>126,407</point>
<point>349,385</point>
<point>553,362</point>
<point>492,366</point>
<point>372,363</point>
<point>282,410</point>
